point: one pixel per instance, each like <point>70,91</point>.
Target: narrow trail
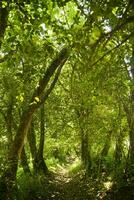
<point>78,188</point>
<point>61,186</point>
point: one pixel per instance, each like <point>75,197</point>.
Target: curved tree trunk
<point>9,176</point>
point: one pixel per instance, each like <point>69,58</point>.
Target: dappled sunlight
<point>108,185</point>
<point>66,100</point>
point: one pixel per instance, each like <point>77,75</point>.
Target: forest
<point>66,100</point>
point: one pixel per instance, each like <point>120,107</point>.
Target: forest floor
<point>61,186</point>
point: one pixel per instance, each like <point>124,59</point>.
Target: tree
<point>39,157</point>
<point>100,37</point>
<point>18,143</point>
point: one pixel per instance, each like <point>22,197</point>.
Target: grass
<point>75,167</point>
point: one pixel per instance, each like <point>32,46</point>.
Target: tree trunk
<point>85,151</point>
<point>10,125</point>
<point>9,176</point>
<point>24,162</point>
<point>40,163</point>
<point>83,115</point>
<point>37,154</point>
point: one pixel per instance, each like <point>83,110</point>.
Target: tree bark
<point>9,123</point>
<point>83,115</point>
<point>40,163</point>
<point>9,176</point>
<point>24,162</point>
<point>85,151</point>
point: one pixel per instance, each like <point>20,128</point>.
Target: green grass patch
<point>75,167</point>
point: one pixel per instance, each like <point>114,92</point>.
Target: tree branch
<point>45,96</point>
<point>58,61</point>
<point>117,46</point>
<point>118,27</point>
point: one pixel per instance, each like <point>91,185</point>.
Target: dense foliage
<point>67,92</point>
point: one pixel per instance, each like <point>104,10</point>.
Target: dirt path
<point>63,187</point>
<point>78,188</point>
